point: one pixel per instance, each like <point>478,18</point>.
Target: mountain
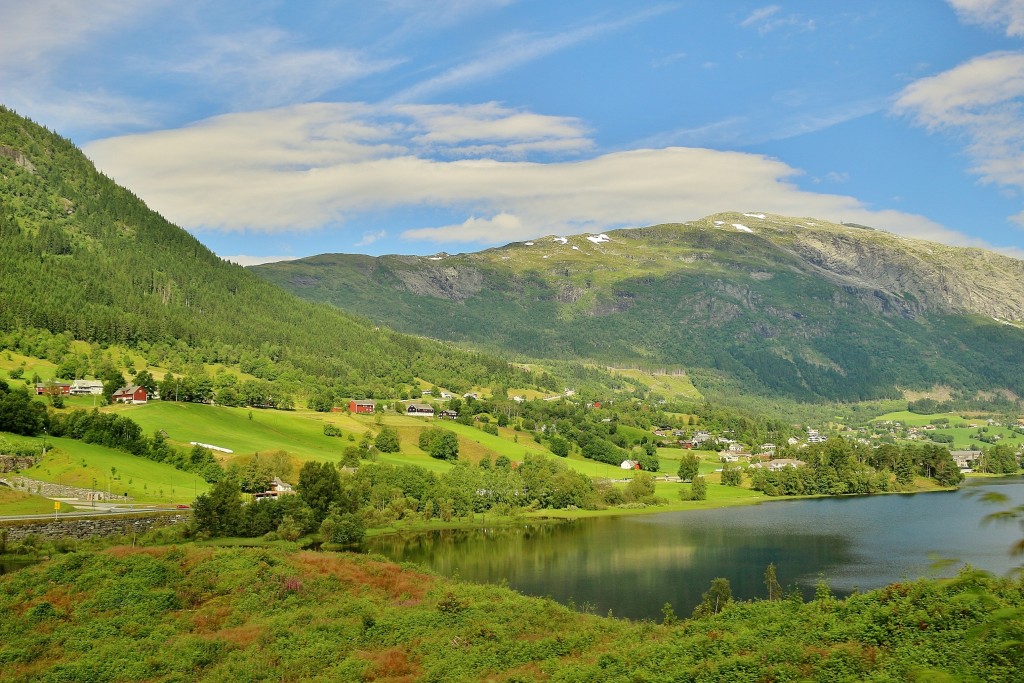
<point>84,256</point>
<point>781,306</point>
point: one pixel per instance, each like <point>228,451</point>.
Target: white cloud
<point>473,229</point>
<point>317,165</point>
<point>369,238</point>
<point>1008,13</point>
<point>767,19</point>
<point>260,68</point>
<point>36,40</point>
<point>760,15</point>
<point>983,101</point>
<point>243,260</point>
<point>514,51</point>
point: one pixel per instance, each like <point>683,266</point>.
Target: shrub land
<point>196,613</point>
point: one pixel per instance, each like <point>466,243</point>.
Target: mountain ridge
<point>792,304</point>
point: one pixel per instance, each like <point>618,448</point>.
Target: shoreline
<point>562,515</point>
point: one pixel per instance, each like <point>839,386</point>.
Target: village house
<point>82,387</point>
<point>56,387</point>
<point>780,464</point>
<point>420,410</point>
<point>132,394</point>
<point>364,407</point>
<point>276,489</point>
<point>448,415</point>
<point>965,460</point>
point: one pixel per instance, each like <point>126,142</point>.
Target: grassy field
<point>246,431</point>
<point>965,437</point>
<point>669,460</point>
<point>9,360</point>
<point>18,503</point>
<point>667,385</point>
<point>74,463</point>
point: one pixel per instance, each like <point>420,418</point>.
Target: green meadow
<point>83,465</point>
<point>300,433</point>
<point>19,503</point>
<point>965,436</point>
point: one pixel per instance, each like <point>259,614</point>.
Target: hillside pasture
<point>83,465</point>
<point>20,503</point>
<point>244,430</point>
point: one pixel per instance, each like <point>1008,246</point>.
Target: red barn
<point>130,394</point>
<point>366,407</point>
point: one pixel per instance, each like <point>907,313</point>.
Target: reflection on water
<point>9,566</point>
<point>634,565</point>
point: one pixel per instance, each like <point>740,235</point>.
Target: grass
<point>19,503</point>
<point>246,431</point>
<point>674,385</point>
<point>964,437</point>
<point>78,464</point>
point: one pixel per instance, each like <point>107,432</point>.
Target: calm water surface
<point>634,565</point>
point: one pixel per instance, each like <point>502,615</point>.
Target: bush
<point>387,440</point>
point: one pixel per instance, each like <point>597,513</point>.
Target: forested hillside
<point>84,256</point>
<point>780,306</point>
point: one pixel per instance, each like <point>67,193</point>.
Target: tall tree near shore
<point>771,582</point>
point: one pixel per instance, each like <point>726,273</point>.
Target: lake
<point>633,565</point>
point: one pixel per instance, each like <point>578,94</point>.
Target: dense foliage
<point>85,257</point>
<point>379,494</point>
<point>838,467</point>
<point>19,413</point>
<point>191,613</point>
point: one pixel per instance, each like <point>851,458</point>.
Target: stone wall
<point>87,527</point>
<point>13,463</point>
<point>48,489</point>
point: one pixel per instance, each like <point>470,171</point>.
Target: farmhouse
<point>965,459</point>
<point>276,489</point>
<point>53,387</point>
<point>448,414</point>
<point>780,464</point>
<point>420,409</point>
<point>366,407</point>
<point>130,394</point>
<point>82,387</point>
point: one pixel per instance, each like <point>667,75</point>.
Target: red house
<point>366,407</point>
<point>53,387</point>
<point>130,394</point>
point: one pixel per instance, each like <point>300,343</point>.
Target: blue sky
<point>277,130</point>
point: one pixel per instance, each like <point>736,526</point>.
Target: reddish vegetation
<point>387,578</point>
<point>210,618</point>
<point>390,665</point>
<point>240,636</point>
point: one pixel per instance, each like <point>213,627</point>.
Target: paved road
<point>99,511</point>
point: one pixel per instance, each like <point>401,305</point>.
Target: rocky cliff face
<point>923,276</point>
